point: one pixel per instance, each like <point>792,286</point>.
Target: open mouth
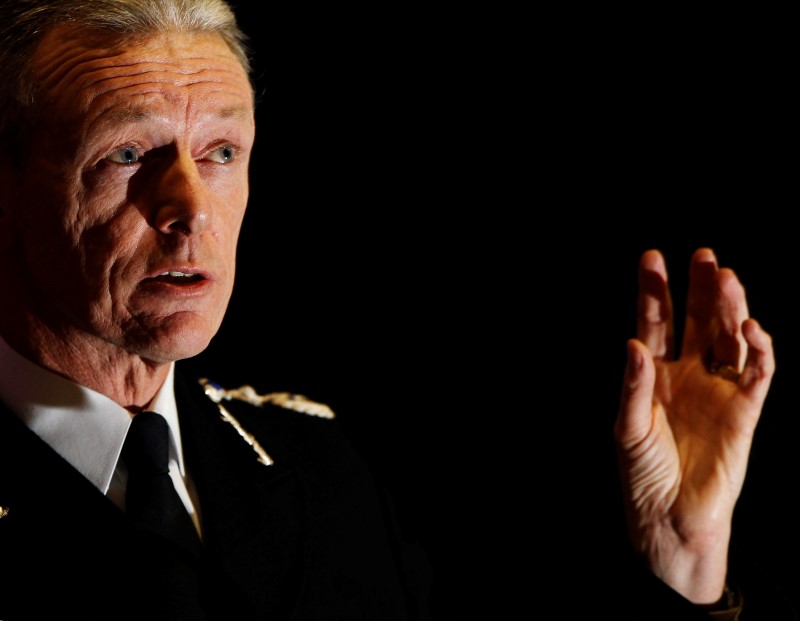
<point>179,278</point>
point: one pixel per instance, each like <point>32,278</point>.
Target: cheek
<point>50,242</point>
<point>230,211</point>
<point>50,216</point>
<point>73,251</point>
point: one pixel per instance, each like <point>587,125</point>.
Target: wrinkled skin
<point>684,431</point>
<point>136,168</point>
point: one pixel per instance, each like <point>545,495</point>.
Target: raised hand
<point>686,422</point>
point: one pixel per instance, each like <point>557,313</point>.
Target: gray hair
<point>23,22</point>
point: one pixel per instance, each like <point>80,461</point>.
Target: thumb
<point>635,417</point>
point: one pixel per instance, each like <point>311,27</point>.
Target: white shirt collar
<point>83,426</point>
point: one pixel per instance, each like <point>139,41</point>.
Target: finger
<point>654,326</point>
<point>700,304</point>
<point>729,346</point>
<point>634,419</point>
<point>759,367</point>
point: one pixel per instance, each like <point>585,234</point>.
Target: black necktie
<point>151,499</point>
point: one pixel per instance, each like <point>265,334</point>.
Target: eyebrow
<point>127,115</point>
<point>136,115</point>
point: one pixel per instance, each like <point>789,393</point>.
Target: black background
<point>447,211</point>
<point>354,274</point>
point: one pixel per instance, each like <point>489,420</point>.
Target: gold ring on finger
<point>725,371</point>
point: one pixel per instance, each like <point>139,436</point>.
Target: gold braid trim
<point>287,400</point>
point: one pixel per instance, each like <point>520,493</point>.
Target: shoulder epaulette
<point>288,400</point>
<point>299,403</point>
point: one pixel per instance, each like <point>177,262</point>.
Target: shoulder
<point>293,421</point>
<point>246,393</point>
<point>281,426</point>
<point>205,392</point>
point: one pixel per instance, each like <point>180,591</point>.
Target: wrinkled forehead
<point>65,51</point>
<point>87,75</point>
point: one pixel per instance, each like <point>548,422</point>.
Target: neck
<point>127,378</point>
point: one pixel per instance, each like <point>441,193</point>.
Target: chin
<point>177,340</point>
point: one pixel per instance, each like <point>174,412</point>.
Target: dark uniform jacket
<point>306,538</point>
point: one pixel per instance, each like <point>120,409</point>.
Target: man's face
<point>133,190</point>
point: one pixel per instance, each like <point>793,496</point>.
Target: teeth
<point>175,274</point>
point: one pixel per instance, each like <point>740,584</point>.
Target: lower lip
<point>189,288</point>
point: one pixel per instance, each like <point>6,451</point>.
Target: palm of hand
<point>684,432</point>
<point>694,464</point>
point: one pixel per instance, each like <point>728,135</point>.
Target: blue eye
<point>222,155</point>
<point>125,155</point>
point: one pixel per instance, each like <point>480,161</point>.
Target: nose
<point>182,200</point>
